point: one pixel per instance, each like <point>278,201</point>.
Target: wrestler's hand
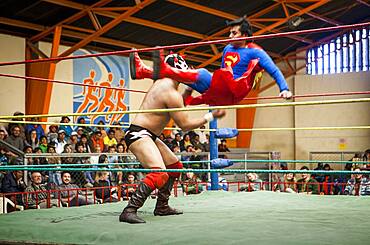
<point>286,94</point>
<point>218,113</point>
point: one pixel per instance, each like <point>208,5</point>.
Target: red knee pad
<point>156,180</point>
<point>176,165</point>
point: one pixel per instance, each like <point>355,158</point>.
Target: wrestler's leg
<point>138,70</point>
<point>198,79</point>
<point>149,155</point>
<point>171,161</point>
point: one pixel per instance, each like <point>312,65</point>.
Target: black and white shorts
<point>136,132</point>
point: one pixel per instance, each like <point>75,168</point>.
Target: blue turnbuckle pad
<point>225,133</point>
<point>221,163</point>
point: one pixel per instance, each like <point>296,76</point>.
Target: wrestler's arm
<point>182,119</point>
<point>268,64</point>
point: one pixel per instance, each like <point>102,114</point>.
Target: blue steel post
<point>213,149</point>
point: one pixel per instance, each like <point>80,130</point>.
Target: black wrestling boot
<point>129,214</point>
<point>162,208</point>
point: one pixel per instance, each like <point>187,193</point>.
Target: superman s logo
<point>231,59</point>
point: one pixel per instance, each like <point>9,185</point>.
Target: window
<point>346,53</point>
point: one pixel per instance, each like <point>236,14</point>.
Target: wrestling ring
<point>212,217</point>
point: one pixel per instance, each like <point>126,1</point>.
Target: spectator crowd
<point>109,145</point>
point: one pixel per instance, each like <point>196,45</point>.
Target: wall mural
<point>110,71</point>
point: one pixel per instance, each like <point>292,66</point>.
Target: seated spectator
<point>73,140</point>
<point>43,144</point>
<point>307,184</point>
<point>206,144</point>
<point>102,129</point>
<point>191,184</point>
<point>121,149</point>
<point>366,158</point>
<point>20,125</point>
<point>109,140</point>
<point>105,192</point>
<point>4,160</point>
<point>83,141</point>
<point>185,142</point>
<point>28,150</point>
<point>119,133</point>
<point>68,149</point>
<point>80,132</point>
<point>37,127</point>
<point>11,183</point>
<point>38,160</point>
<point>60,142</point>
<point>82,179</point>
<point>95,159</point>
<point>86,130</point>
<point>53,133</point>
<point>287,183</point>
<point>223,148</point>
<point>3,133</point>
<point>129,186</point>
<point>15,138</point>
<point>327,184</point>
<point>32,139</point>
<point>197,144</point>
<point>177,140</point>
<point>202,135</point>
<point>37,194</point>
<point>53,176</point>
<point>70,194</point>
<point>174,131</point>
<point>318,177</point>
<point>358,185</point>
<point>162,137</point>
<point>96,140</point>
<point>67,128</point>
<point>222,184</point>
<point>253,183</point>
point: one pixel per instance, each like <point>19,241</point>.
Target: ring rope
<point>70,83</point>
<point>308,95</point>
<point>205,130</point>
<point>142,91</point>
<point>201,108</point>
<point>175,46</point>
<point>144,170</point>
<point>186,162</point>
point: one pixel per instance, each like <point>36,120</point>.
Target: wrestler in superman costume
<point>241,62</point>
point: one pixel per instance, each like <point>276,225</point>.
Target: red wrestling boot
<point>129,214</point>
<point>162,208</point>
<point>161,70</point>
<point>138,69</point>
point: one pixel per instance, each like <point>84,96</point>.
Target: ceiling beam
<point>94,20</point>
<point>316,16</point>
<point>70,19</point>
<point>107,27</point>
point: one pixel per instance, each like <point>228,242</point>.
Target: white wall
<point>299,144</point>
<point>280,117</point>
<point>353,114</point>
<point>62,95</point>
<point>12,92</point>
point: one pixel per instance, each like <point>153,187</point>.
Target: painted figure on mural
<point>105,98</point>
<point>119,97</point>
<point>89,94</point>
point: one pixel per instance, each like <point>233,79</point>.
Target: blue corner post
<point>213,148</point>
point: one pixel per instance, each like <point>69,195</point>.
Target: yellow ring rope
<point>206,130</point>
<point>203,108</point>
